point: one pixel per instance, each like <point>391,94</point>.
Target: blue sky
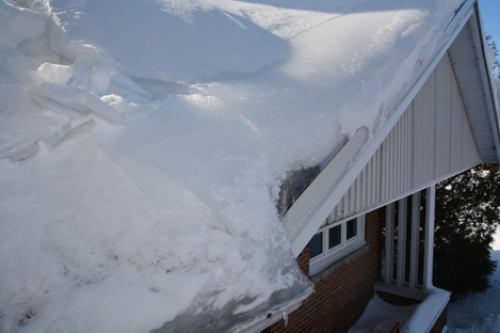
<point>490,9</point>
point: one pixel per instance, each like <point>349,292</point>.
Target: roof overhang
<point>312,208</point>
<point>468,57</point>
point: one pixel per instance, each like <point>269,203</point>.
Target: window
<point>334,241</point>
<point>316,246</point>
<point>351,228</point>
<point>334,236</point>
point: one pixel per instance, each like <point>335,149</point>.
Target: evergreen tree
<point>467,215</point>
<point>493,45</point>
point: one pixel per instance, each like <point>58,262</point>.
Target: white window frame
<point>346,246</point>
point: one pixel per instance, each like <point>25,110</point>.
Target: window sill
<point>341,262</point>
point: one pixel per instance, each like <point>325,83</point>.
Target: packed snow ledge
<point>143,147</point>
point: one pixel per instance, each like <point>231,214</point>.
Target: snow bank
<point>142,148</point>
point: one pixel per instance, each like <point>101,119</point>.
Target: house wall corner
<point>341,297</point>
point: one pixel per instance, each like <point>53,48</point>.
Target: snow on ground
<point>142,146</point>
<point>496,241</point>
<point>477,312</point>
<point>381,317</point>
<point>472,313</point>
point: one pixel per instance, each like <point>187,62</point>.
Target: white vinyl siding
<point>432,140</point>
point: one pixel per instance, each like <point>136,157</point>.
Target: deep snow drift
<point>143,145</point>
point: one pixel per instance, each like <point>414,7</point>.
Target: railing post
<point>415,239</point>
<point>402,220</point>
<point>429,237</point>
<point>389,242</point>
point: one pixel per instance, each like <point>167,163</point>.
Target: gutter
<point>265,320</point>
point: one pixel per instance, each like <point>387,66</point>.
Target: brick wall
<point>340,298</point>
<point>441,322</point>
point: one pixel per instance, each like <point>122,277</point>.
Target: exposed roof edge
<point>268,318</point>
<point>312,220</point>
<point>479,37</point>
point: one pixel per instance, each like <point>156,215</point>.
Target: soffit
<point>468,61</point>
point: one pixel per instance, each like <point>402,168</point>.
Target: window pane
<point>351,228</point>
<point>316,245</point>
<point>334,236</point>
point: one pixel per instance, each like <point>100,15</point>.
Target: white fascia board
<point>479,40</point>
<point>315,204</point>
<point>319,211</point>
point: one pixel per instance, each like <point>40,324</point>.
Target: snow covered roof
<point>143,147</point>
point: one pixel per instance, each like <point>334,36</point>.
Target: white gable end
<point>467,58</point>
<point>433,134</point>
<point>430,142</point>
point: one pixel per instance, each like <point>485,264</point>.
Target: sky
<point>490,10</point>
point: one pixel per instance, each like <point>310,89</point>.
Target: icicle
<point>285,318</point>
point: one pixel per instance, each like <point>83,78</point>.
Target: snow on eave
<point>311,221</point>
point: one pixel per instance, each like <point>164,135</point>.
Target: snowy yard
<point>477,312</point>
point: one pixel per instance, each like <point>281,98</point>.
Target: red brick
<point>341,297</point>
